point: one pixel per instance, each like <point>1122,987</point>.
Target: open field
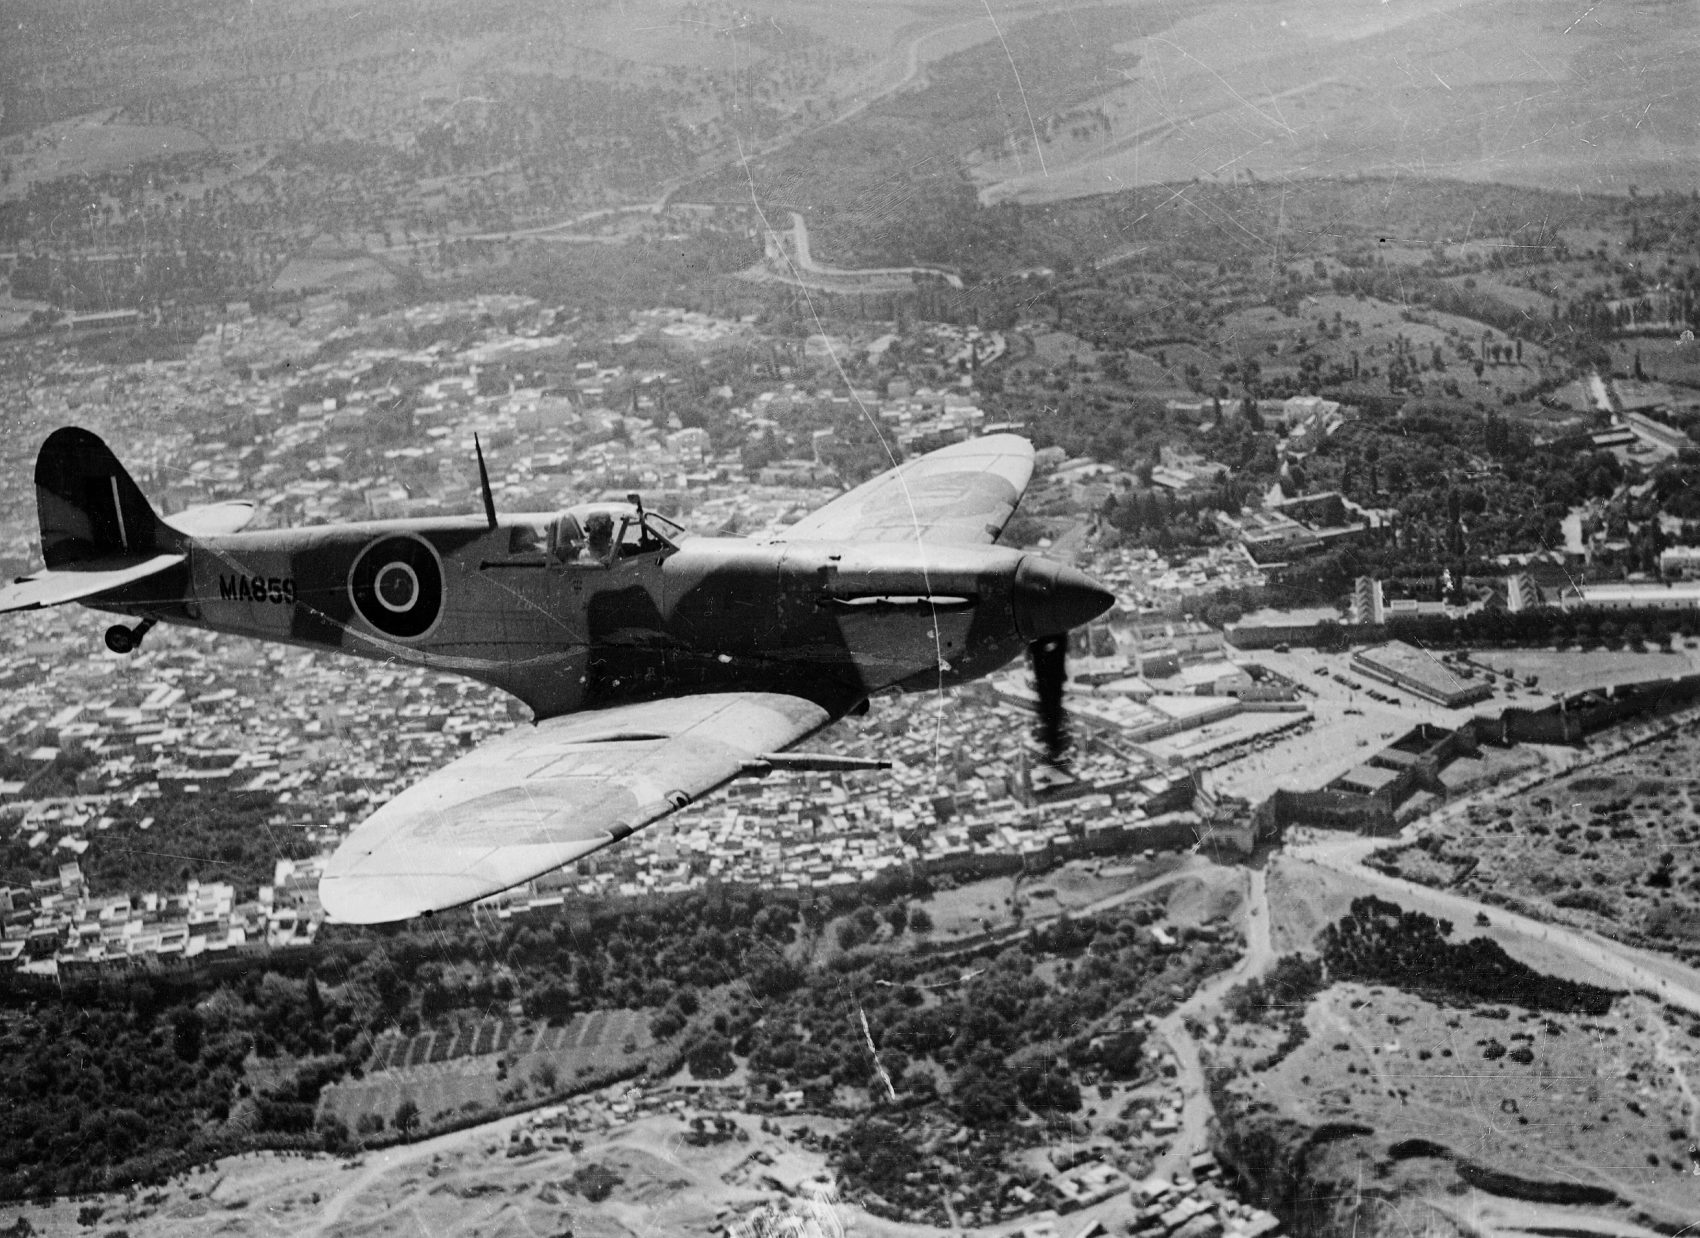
<point>1509,91</point>
<point>1578,670</point>
<point>971,908</point>
<point>475,1181</point>
<point>1611,847</point>
<point>1077,886</point>
<point>976,907</point>
<point>89,144</point>
<point>1336,330</point>
<point>523,1176</point>
<point>349,274</point>
<point>1666,356</point>
<point>1444,1097</point>
<point>1304,898</point>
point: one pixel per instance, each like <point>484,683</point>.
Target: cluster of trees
<point>128,1079</point>
<point>185,839</point>
<point>525,149</point>
<point>1281,993</point>
<point>622,137</point>
<point>1379,942</point>
<point>1279,999</point>
<point>863,924</point>
<point>1007,1039</point>
<point>1464,489</point>
<point>122,1083</point>
<point>1588,629</point>
<point>1015,1039</point>
<point>1166,521</point>
<point>647,958</point>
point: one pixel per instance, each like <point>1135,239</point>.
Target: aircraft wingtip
<point>366,898</point>
<point>354,900</point>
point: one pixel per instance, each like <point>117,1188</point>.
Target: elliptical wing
<point>543,796</point>
<point>961,495</point>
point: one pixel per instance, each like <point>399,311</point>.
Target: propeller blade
<point>484,484</point>
<point>1050,669</point>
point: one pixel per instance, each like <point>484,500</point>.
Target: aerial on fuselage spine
<point>659,665</point>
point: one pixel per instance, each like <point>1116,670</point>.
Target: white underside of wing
<point>961,495</point>
<point>543,796</point>
<point>72,584</point>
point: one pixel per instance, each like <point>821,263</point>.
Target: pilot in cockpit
<point>592,538</point>
<point>566,539</point>
<point>599,535</point>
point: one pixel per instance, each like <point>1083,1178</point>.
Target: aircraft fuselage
<point>641,617</point>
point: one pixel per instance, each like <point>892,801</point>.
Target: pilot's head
<point>599,527</point>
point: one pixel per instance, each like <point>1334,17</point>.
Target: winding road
<point>1194,1132</point>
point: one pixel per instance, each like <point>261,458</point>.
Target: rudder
<point>90,508</point>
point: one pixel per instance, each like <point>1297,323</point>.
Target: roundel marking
<point>397,586</point>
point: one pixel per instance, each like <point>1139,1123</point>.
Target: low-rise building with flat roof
<point>1680,595</point>
<point>1680,562</point>
<point>1420,673</point>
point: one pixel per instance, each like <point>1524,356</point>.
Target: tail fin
<point>90,508</point>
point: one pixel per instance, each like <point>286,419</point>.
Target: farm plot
<point>455,1073</point>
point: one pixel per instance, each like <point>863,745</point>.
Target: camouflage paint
<point>831,621</point>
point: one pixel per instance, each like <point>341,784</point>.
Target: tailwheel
<point>121,639</point>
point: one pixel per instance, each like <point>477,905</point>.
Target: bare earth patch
<point>1445,1101</point>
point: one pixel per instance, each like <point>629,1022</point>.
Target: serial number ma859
<point>277,589</point>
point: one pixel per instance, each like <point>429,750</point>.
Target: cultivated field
<point>454,1074</point>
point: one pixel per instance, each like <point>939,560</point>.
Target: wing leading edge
<point>961,495</point>
<point>544,796</point>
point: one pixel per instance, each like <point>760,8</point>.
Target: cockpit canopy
<point>594,535</point>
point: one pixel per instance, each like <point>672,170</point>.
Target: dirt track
<point>1195,1106</point>
<point>1666,979</point>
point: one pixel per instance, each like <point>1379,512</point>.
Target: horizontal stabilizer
<point>75,584</point>
<point>213,519</point>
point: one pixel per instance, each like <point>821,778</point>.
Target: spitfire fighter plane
<point>658,665</point>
